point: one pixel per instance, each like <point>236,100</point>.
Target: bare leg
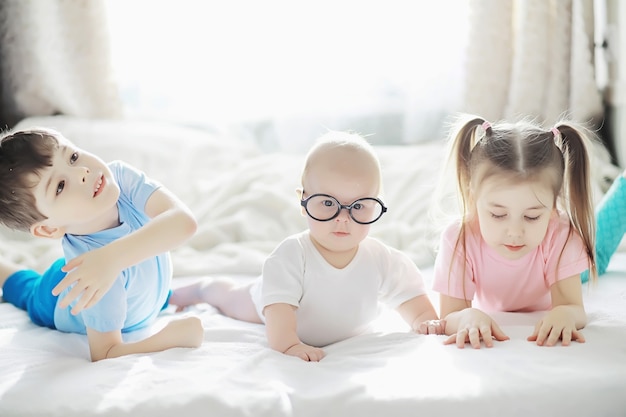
<point>231,299</point>
<point>7,268</point>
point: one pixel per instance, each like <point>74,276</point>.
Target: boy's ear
<point>50,232</point>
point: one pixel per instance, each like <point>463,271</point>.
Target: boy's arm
<point>93,273</point>
<point>187,333</point>
<point>280,327</point>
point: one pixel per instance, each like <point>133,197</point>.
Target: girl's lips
<point>514,248</point>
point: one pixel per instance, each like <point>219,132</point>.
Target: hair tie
<point>556,132</point>
<point>486,125</point>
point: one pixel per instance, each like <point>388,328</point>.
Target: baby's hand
<point>557,324</point>
<point>432,327</point>
<point>305,352</point>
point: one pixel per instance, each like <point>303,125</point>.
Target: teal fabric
<point>610,225</point>
<point>31,291</point>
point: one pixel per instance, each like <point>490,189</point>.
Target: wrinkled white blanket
<point>387,372</point>
<point>244,199</point>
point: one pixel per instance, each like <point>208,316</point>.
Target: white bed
<point>245,202</point>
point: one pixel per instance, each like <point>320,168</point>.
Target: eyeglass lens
<point>322,207</point>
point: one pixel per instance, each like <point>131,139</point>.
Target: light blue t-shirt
<point>139,293</point>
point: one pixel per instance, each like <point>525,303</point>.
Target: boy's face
<point>347,181</point>
<point>77,194</point>
<point>514,217</point>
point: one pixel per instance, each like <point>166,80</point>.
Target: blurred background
<point>280,73</point>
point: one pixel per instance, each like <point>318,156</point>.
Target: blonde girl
<point>525,235</point>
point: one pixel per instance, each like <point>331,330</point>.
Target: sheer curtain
<point>532,58</point>
<point>282,72</point>
<point>54,59</point>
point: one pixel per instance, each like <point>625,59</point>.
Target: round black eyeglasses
<point>324,207</point>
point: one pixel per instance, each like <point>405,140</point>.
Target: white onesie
<point>335,304</point>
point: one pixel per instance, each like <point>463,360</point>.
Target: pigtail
<point>574,142</point>
<point>463,140</point>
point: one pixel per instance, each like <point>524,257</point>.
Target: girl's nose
<point>515,229</point>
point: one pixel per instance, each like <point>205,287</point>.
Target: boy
<point>116,226</point>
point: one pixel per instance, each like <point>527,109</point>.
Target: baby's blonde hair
<point>339,141</point>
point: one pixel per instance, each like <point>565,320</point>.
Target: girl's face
<point>514,216</point>
<point>347,183</point>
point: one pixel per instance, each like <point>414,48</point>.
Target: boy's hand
<point>92,274</point>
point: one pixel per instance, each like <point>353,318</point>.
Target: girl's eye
<point>74,157</point>
<point>496,216</point>
<point>532,219</point>
<point>60,187</point>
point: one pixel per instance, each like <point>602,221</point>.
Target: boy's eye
<point>60,187</point>
<point>74,157</point>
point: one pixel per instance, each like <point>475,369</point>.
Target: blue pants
<point>31,291</point>
<point>610,225</point>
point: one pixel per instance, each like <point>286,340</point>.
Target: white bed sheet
<point>386,372</point>
<point>245,202</point>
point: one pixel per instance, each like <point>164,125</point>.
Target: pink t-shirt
<point>494,283</point>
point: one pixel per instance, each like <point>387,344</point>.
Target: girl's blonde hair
<point>524,151</point>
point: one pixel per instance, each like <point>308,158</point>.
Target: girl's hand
<point>432,327</point>
<point>557,325</point>
<point>92,274</point>
<point>472,326</point>
<point>305,352</point>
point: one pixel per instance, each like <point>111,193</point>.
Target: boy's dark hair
<point>22,154</point>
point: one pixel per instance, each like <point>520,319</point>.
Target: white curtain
<point>282,72</point>
<point>55,59</point>
<point>532,58</point>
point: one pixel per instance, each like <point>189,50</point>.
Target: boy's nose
<point>84,171</point>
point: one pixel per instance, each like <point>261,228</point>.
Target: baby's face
<point>78,192</point>
<point>346,180</point>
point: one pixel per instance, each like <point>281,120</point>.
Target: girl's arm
<point>466,324</point>
<point>187,333</point>
<point>565,318</point>
<point>280,327</point>
<point>93,273</point>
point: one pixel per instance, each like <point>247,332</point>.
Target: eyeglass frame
<point>305,201</point>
